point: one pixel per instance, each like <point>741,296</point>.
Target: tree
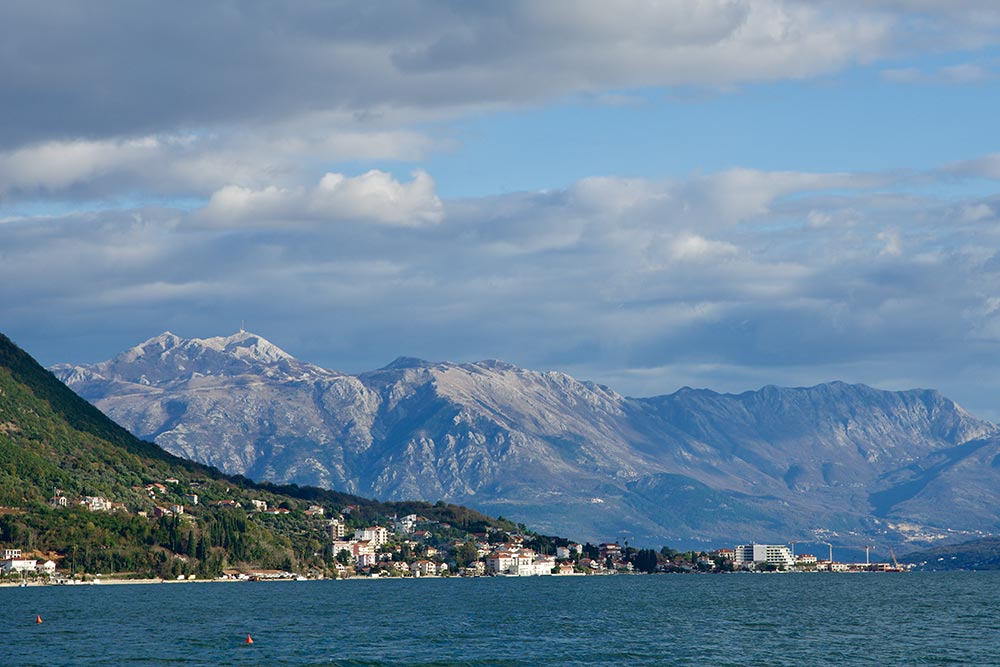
<point>645,560</point>
<point>466,554</point>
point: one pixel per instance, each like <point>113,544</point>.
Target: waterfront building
<point>9,565</point>
<point>805,560</point>
<point>774,554</point>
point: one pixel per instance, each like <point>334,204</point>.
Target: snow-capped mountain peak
<point>168,358</point>
<point>245,345</point>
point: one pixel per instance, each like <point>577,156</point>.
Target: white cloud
<point>56,165</point>
<point>693,248</point>
<point>196,164</point>
<point>893,242</point>
<point>976,212</point>
<point>374,196</point>
<point>962,73</point>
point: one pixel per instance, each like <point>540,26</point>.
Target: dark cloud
<point>133,68</point>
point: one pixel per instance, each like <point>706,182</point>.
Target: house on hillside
<point>96,503</point>
<point>377,535</point>
<point>406,524</point>
<point>336,528</point>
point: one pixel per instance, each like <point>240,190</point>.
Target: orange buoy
<point>38,618</point>
<point>249,639</point>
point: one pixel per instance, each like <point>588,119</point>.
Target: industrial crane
<point>895,563</point>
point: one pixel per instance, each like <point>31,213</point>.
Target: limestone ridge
<point>563,455</point>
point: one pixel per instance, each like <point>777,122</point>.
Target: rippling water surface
<point>790,619</point>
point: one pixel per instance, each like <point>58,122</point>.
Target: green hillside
<point>53,445</point>
<point>981,554</point>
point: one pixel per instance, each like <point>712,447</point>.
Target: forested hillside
<point>58,453</point>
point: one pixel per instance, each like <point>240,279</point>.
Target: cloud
<point>194,164</point>
<point>59,165</point>
<point>962,73</point>
<point>374,196</point>
<point>985,166</point>
<point>693,248</point>
<point>100,107</point>
<point>893,243</point>
<point>265,65</point>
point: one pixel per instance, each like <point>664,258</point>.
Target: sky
<point>650,195</point>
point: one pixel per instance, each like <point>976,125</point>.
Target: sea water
<point>741,619</point>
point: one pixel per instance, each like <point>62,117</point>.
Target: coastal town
<point>411,545</point>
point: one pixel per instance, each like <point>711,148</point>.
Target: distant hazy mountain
<point>563,455</point>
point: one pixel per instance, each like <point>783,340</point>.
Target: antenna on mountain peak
<point>242,330</point>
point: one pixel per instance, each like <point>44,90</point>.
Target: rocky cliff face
<point>563,455</point>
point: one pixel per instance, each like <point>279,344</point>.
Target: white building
<point>336,528</point>
<point>775,554</point>
<point>342,545</point>
<point>423,568</point>
<point>377,535</point>
<point>499,562</point>
<point>17,565</point>
<point>407,524</point>
<point>519,562</point>
<point>96,503</point>
<point>7,554</point>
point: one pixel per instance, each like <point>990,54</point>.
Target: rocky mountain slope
<point>563,455</point>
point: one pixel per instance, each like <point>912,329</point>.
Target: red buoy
<point>38,618</point>
<point>248,641</point>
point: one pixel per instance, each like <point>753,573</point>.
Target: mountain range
<point>833,461</point>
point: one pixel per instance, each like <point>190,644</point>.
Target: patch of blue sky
<point>853,122</point>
